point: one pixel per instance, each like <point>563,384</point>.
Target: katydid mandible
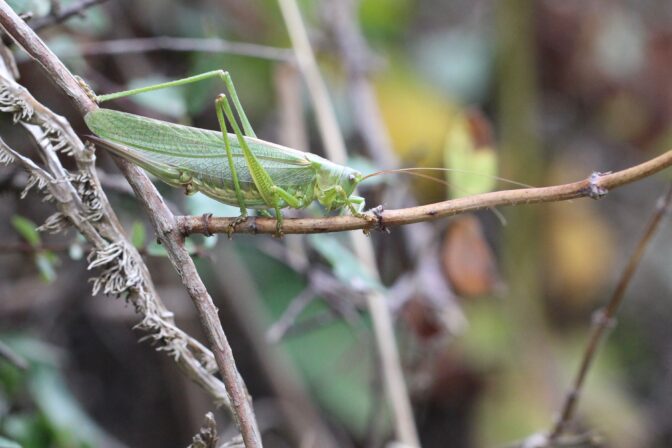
<point>236,169</point>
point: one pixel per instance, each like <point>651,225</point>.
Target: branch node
<point>601,319</point>
<point>378,213</point>
<point>596,191</point>
<point>206,224</point>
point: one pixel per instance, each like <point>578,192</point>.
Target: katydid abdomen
<point>195,158</point>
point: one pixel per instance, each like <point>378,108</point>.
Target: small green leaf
<point>155,249</point>
<point>37,7</point>
<point>138,235</point>
<point>76,251</point>
<point>346,266</point>
<point>69,424</point>
<point>45,261</point>
<point>475,167</point>
<point>27,229</point>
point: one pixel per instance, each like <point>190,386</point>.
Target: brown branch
<point>595,186</point>
<point>605,318</point>
<point>61,16</point>
<point>166,43</point>
<point>388,352</point>
<point>164,223</point>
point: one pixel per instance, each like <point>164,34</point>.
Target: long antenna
<point>413,172</point>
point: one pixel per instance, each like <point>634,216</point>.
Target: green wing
<point>199,152</point>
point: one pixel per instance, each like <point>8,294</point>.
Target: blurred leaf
<point>468,261</point>
<point>346,266</point>
<point>170,101</point>
<point>33,350</point>
<point>475,161</point>
<point>138,235</point>
<point>199,204</point>
<point>619,45</point>
<point>580,258</point>
<point>335,362</point>
<point>30,429</point>
<point>416,116</point>
<point>156,250</point>
<point>76,251</point>
<point>210,242</point>
<point>71,426</point>
<point>37,7</point>
<point>6,443</point>
<point>45,261</point>
<point>385,19</point>
<point>27,229</point>
<point>60,421</point>
<point>67,48</point>
<point>251,77</point>
<point>93,21</point>
<point>11,380</point>
<point>458,61</point>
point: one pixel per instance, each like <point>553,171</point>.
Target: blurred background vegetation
<point>491,311</point>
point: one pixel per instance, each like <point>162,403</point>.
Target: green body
<point>194,159</point>
<point>237,169</point>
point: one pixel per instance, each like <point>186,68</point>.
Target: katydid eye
<point>352,177</point>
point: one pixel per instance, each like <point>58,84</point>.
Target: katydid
<point>236,169</point>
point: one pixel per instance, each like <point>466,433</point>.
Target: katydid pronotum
<point>236,169</point>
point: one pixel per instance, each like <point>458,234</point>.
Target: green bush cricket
<point>236,169</point>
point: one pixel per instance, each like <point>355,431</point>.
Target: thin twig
<point>64,14</point>
<point>277,331</point>
<point>605,318</point>
<point>389,218</point>
<point>357,63</point>
<point>164,224</point>
<point>391,370</point>
<point>186,44</point>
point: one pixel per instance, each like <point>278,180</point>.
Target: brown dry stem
<point>595,186</point>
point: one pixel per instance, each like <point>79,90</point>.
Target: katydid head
<point>336,184</point>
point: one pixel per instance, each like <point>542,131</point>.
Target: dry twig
<point>605,319</point>
<point>594,186</point>
<point>391,370</point>
<point>166,43</point>
<point>64,14</point>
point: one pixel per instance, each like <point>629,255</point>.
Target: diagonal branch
<point>383,327</point>
<point>66,13</point>
<point>162,219</point>
<point>605,319</point>
<point>187,44</point>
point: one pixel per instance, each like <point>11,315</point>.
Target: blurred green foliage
<point>38,408</point>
